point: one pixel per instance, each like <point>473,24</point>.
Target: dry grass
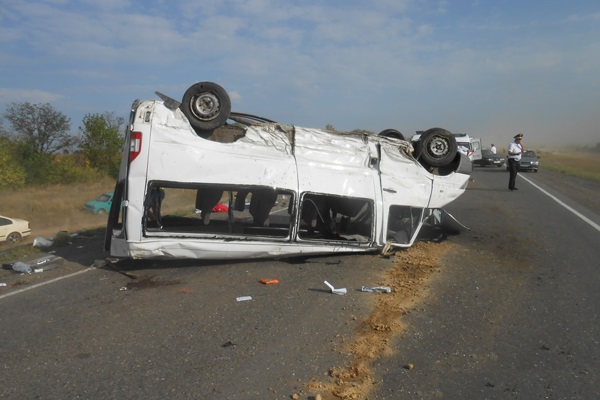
<point>55,208</point>
<point>582,165</point>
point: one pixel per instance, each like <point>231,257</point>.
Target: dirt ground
<point>408,280</point>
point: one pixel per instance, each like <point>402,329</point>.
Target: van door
<point>337,187</point>
<point>476,147</point>
<point>405,191</point>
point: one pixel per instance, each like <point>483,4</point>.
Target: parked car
<point>13,230</point>
<point>529,161</point>
<point>101,205</point>
<point>489,158</point>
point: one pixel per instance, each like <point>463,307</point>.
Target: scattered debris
<point>20,266</point>
<point>340,291</point>
<point>372,340</point>
<point>243,298</point>
<point>269,281</point>
<point>380,289</point>
<point>46,263</point>
<point>228,343</point>
<point>409,366</point>
<point>185,291</point>
<point>42,242</point>
<point>2,284</point>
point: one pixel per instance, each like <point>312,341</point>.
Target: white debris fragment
<point>340,291</point>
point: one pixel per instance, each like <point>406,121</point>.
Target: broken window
<point>403,221</point>
<point>328,217</point>
<point>173,209</point>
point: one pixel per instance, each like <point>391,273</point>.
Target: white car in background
<point>13,230</point>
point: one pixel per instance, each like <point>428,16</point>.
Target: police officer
<point>515,150</point>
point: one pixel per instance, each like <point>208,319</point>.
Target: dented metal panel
<point>286,190</point>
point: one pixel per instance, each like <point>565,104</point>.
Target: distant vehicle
<point>101,205</point>
<point>529,161</point>
<point>489,159</point>
<point>12,230</point>
<point>289,190</point>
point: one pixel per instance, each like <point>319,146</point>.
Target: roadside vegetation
<point>47,174</point>
<point>584,165</point>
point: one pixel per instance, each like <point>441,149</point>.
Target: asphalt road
<point>515,313</point>
<point>511,315</point>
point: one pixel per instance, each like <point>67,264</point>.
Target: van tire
<point>437,147</point>
<point>206,105</point>
<point>392,133</point>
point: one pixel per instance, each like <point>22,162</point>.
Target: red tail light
<point>135,145</point>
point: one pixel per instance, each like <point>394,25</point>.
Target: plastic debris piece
<point>340,291</point>
<point>47,263</point>
<point>2,284</point>
<point>269,281</point>
<point>380,289</point>
<point>244,298</point>
<point>42,242</point>
<point>20,266</point>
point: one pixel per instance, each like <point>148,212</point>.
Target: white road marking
<point>583,217</point>
<point>47,282</point>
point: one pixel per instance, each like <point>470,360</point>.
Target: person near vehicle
<point>154,203</point>
<point>493,148</point>
<point>515,150</point>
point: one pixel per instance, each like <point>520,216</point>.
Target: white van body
<point>288,191</point>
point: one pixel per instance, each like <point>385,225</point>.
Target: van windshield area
<point>236,212</point>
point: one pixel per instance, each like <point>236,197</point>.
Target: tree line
<point>37,148</point>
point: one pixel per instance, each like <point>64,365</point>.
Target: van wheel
<point>206,105</point>
<point>392,133</point>
<point>437,147</point>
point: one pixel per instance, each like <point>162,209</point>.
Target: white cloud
<point>10,95</point>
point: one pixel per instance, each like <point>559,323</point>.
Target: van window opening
<point>171,209</point>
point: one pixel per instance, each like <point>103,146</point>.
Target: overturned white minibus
<point>199,181</point>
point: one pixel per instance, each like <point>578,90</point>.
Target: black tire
<point>13,237</point>
<point>437,147</point>
<point>206,105</point>
<point>392,133</point>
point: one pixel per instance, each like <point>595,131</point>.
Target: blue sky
<point>491,68</point>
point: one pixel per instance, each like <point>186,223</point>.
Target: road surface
<point>509,313</point>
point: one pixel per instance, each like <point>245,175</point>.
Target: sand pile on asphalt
<point>407,277</point>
